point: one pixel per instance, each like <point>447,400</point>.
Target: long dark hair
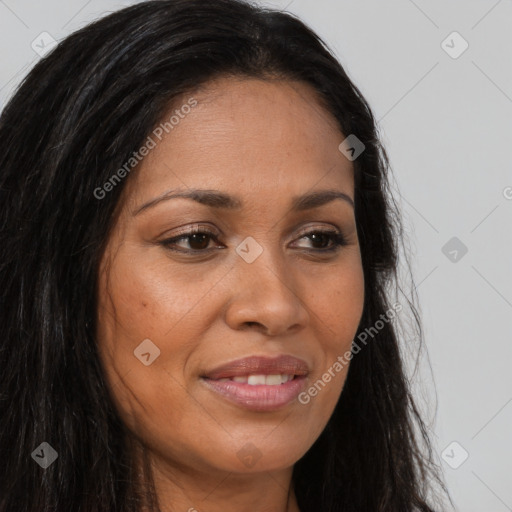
<point>76,118</point>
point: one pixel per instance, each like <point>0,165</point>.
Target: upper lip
<point>260,365</point>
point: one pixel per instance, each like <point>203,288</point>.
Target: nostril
<point>254,324</point>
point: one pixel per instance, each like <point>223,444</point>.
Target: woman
<point>198,247</point>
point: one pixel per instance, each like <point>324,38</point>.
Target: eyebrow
<point>217,199</point>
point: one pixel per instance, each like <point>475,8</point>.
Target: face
<point>191,288</point>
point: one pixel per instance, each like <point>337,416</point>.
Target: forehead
<point>246,136</point>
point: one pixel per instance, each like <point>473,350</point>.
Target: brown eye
<point>321,239</point>
<point>325,241</point>
<point>198,240</point>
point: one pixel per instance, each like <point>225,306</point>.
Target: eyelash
<point>337,239</point>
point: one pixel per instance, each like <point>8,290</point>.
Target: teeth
<point>272,380</point>
<point>254,380</point>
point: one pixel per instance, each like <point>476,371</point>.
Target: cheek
<point>145,300</point>
<point>338,307</point>
<point>338,300</point>
<point>146,308</point>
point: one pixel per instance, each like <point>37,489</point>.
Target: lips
<point>259,383</point>
<point>259,365</point>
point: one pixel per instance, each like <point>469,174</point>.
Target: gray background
<point>447,125</point>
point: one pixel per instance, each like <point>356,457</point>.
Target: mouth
<point>257,380</point>
<point>259,383</point>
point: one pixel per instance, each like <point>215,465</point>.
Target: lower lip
<point>259,397</point>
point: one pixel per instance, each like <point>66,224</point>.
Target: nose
<point>266,297</point>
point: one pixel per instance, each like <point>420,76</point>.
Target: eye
<point>198,239</point>
<point>323,238</point>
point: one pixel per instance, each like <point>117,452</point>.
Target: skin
<point>265,142</point>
